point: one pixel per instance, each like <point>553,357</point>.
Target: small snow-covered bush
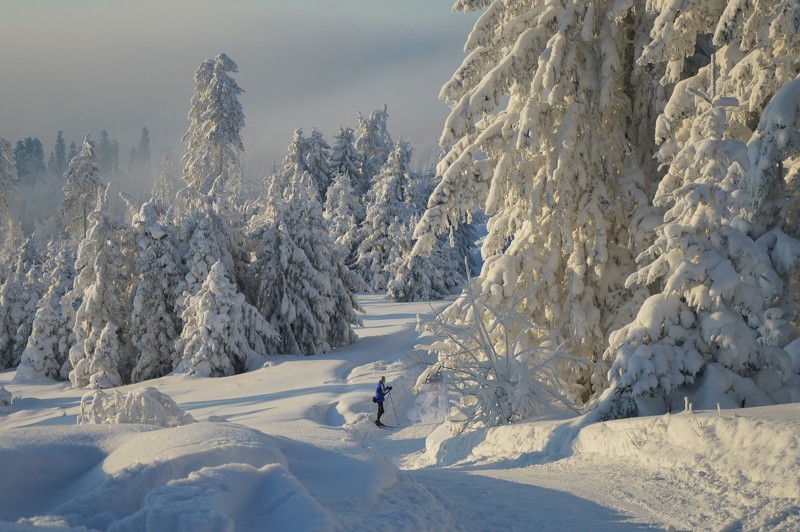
<point>493,365</point>
<point>147,406</point>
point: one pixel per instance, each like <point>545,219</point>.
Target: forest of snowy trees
<point>635,164</point>
<point>215,271</point>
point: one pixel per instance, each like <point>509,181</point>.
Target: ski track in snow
<point>295,447</point>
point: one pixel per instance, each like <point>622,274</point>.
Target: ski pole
<point>394,409</point>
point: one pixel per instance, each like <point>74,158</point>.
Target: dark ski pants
<point>380,409</point>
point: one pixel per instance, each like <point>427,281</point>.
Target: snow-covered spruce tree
<point>756,46</point>
<point>299,280</point>
<point>541,136</point>
<point>496,383</point>
<point>59,157</point>
<point>222,334</point>
<point>318,162</point>
<point>344,160</point>
<point>294,164</point>
<point>10,231</point>
<point>205,237</point>
<point>139,164</point>
<point>154,324</point>
<point>341,211</point>
<point>714,332</point>
<point>213,140</point>
<point>101,355</point>
<point>373,144</point>
<point>47,351</point>
<point>386,232</point>
<point>773,183</point>
<point>440,273</point>
<point>80,191</point>
<point>19,295</point>
<point>167,184</point>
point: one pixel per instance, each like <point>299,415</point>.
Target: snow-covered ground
<point>293,446</point>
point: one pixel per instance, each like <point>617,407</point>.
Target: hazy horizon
<point>88,65</point>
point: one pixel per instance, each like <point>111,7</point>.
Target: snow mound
<point>145,406</point>
<point>202,476</point>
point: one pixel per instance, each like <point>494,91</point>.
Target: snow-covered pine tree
<point>385,233</point>
<point>47,351</point>
<point>344,159</point>
<point>299,279</point>
<point>294,164</point>
<point>59,156</point>
<point>101,357</point>
<point>10,231</point>
<point>373,144</point>
<point>19,295</point>
<point>154,324</point>
<point>755,45</point>
<point>443,271</point>
<point>213,140</point>
<point>713,332</point>
<point>80,191</point>
<point>139,164</point>
<point>318,162</point>
<point>167,184</point>
<point>540,137</point>
<point>222,334</point>
<point>341,211</point>
<point>107,155</point>
<point>205,237</point>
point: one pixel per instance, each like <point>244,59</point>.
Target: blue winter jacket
<point>381,391</point>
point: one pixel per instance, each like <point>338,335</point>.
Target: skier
<point>380,395</point>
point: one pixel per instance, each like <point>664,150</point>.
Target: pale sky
<point>120,65</point>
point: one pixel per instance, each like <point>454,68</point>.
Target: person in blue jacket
<point>380,395</point>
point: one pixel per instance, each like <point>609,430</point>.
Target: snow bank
<point>146,406</point>
<point>202,476</point>
<point>738,449</point>
<point>758,445</point>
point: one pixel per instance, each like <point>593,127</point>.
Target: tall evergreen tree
<point>80,191</point>
<point>318,162</point>
<point>139,165</point>
<point>539,137</point>
<point>222,333</point>
<point>47,351</point>
<point>373,144</point>
<point>59,156</point>
<point>386,233</point>
<point>213,140</point>
<point>715,319</point>
<point>101,356</point>
<point>19,295</point>
<point>10,230</point>
<point>154,323</point>
<point>299,279</point>
<point>29,155</point>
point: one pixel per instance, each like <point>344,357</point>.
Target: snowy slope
<point>292,446</point>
